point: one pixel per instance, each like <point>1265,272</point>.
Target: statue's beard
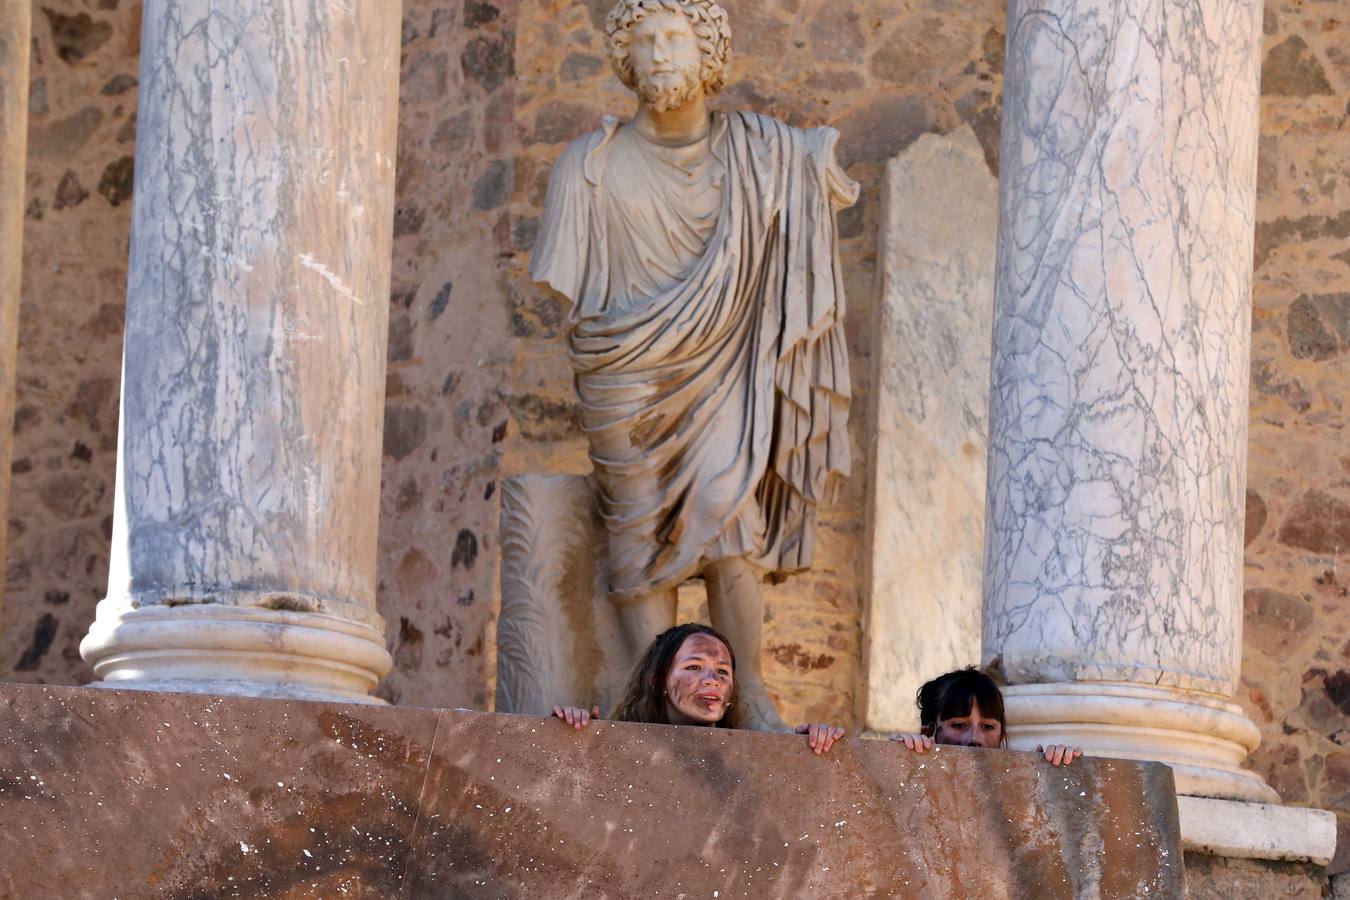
<point>665,97</point>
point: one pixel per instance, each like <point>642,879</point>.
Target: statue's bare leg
<point>736,607</point>
<point>641,620</point>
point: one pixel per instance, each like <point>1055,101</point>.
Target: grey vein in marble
<point>1121,340</point>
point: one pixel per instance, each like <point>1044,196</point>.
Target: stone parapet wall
<point>256,798</point>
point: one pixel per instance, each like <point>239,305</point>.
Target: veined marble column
<point>244,534</point>
<point>15,38</point>
<point>1118,413</point>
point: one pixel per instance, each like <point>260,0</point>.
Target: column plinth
<point>239,650</point>
<point>1202,737</point>
<point>1118,411</point>
<point>248,476</point>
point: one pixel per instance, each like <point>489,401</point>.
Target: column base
<point>1257,830</point>
<point>237,651</point>
<point>1203,738</point>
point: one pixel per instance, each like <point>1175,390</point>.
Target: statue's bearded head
<point>647,55</point>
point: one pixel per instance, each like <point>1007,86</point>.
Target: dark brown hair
<point>644,700</point>
<point>951,695</point>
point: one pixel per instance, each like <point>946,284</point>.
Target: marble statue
<point>699,251</point>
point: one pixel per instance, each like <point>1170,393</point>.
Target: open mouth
<point>710,698</point>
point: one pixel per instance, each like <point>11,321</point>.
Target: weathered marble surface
<point>15,19</point>
<point>262,799</point>
<point>1118,411</point>
<point>1118,414</point>
<point>1233,829</point>
<point>928,443</point>
<point>558,638</point>
<point>253,374</point>
<point>881,73</point>
<point>698,251</point>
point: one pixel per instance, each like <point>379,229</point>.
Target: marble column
<point>1118,411</point>
<point>15,37</point>
<point>244,532</point>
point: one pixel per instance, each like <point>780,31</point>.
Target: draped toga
<point>706,336</point>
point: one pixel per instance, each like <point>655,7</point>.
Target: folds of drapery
<point>717,409</point>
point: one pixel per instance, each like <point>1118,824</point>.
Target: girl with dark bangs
<point>964,708</point>
<point>687,677</point>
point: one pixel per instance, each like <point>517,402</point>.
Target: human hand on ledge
<point>820,737</point>
<point>1058,754</point>
<point>919,743</point>
<point>577,716</point>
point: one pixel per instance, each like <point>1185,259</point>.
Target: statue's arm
<point>843,191</point>
<point>562,242</point>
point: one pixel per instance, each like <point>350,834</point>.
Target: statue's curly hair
<point>710,26</point>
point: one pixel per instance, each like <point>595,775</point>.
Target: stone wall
<point>263,799</point>
<point>478,384</point>
<point>449,351</point>
<point>1296,664</point>
<point>1217,878</point>
<point>81,134</point>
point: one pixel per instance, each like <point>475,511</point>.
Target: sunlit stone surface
<point>257,798</point>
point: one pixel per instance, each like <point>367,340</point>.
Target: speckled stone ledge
<point>135,794</point>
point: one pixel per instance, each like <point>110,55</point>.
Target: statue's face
<point>666,60</point>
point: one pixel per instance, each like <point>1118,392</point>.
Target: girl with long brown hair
<point>687,676</point>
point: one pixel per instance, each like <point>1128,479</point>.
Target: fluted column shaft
<point>15,40</point>
<point>244,542</point>
<point>1118,413</point>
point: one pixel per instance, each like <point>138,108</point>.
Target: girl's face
<point>974,730</point>
<point>698,686</point>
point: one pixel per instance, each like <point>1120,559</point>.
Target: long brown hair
<point>644,700</point>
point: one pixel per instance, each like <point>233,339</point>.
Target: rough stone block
<point>106,793</point>
<point>1223,878</point>
<point>928,449</point>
